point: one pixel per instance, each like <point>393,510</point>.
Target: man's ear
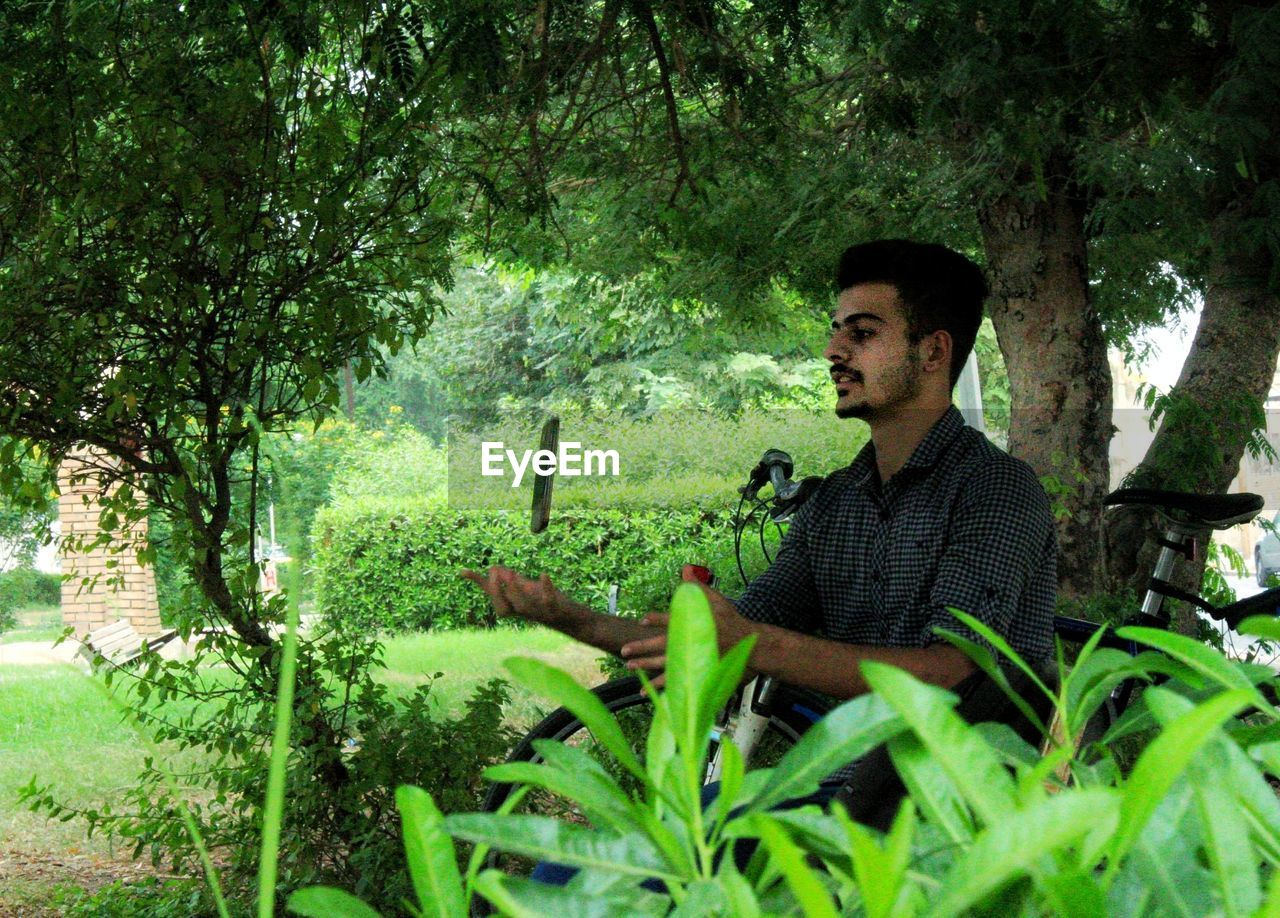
<point>937,351</point>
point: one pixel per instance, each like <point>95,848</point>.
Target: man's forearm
<point>605,632</point>
<point>832,667</point>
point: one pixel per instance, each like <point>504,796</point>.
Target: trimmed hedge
<point>400,572</point>
<point>387,555</point>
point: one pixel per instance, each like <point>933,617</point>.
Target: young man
<point>929,515</point>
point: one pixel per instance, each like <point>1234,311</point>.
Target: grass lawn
<point>36,623</point>
<point>58,724</point>
<point>467,658</point>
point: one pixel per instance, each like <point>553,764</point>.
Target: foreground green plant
<point>1194,828</point>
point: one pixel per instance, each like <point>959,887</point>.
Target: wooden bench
<point>118,644</point>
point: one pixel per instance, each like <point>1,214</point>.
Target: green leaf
<point>1256,798</point>
<point>1164,761</point>
<point>1074,894</point>
<point>930,788</point>
<point>969,763</point>
<point>602,801</point>
<point>999,643</point>
<point>1218,774</point>
<point>273,805</point>
<point>661,759</point>
<point>548,839</point>
<point>429,853</point>
<point>805,884</point>
<point>881,870</point>
<point>1226,836</point>
<point>724,681</point>
<point>692,658</point>
<point>327,902</point>
<point>737,891</point>
<point>524,898</point>
<point>1166,864</point>
<point>983,659</point>
<point>1263,626</point>
<point>732,770</point>
<point>1272,906</point>
<point>702,898</point>
<point>560,686</point>
<point>1091,682</point>
<point>1012,848</point>
<point>675,848</point>
<point>846,733</point>
<point>819,833</point>
<point>1201,658</point>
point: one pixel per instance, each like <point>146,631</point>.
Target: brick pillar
<point>91,606</point>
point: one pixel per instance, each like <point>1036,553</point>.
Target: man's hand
<point>651,653</point>
<point>517,596</point>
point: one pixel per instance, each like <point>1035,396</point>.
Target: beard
<point>860,410</point>
<point>901,384</point>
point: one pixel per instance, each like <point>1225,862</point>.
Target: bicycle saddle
<point>1217,511</point>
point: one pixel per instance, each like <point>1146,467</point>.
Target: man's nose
<point>836,352</point>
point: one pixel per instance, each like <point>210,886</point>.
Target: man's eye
<point>862,334</point>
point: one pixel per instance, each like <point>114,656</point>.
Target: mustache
<point>838,369</point>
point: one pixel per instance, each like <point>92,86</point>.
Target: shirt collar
<point>927,453</point>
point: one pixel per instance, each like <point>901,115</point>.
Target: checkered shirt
<point>962,524</point>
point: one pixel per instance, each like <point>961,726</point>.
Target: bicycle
<point>768,718</point>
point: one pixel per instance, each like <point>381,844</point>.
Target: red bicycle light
<point>696,573</point>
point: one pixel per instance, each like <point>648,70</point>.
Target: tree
<point>1222,114</point>
<point>206,211</point>
<point>26,513</point>
<point>524,341</point>
<point>761,140</point>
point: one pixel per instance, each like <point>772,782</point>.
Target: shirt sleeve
<point>785,595</point>
<point>1001,537</point>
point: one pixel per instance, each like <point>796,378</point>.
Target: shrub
<point>400,571</point>
<point>146,898</point>
<point>23,587</point>
<point>342,827</point>
<point>391,466</point>
<point>387,549</point>
<point>986,829</point>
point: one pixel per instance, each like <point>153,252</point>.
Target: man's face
<point>874,365</point>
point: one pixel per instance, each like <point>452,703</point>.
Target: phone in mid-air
<point>550,442</point>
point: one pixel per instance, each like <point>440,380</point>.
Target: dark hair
<point>940,289</point>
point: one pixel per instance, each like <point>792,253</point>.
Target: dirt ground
<point>34,885</point>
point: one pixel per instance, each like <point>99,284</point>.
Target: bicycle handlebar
<point>774,468</point>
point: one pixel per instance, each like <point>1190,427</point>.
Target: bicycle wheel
<point>792,712</point>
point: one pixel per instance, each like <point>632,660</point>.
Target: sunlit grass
<point>35,623</point>
<point>57,725</point>
<point>467,658</point>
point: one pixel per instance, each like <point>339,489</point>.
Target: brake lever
<point>782,509</point>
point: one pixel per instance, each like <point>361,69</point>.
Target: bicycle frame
<point>744,725</point>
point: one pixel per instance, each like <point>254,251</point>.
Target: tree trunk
<point>1215,404</point>
<point>1059,378</point>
